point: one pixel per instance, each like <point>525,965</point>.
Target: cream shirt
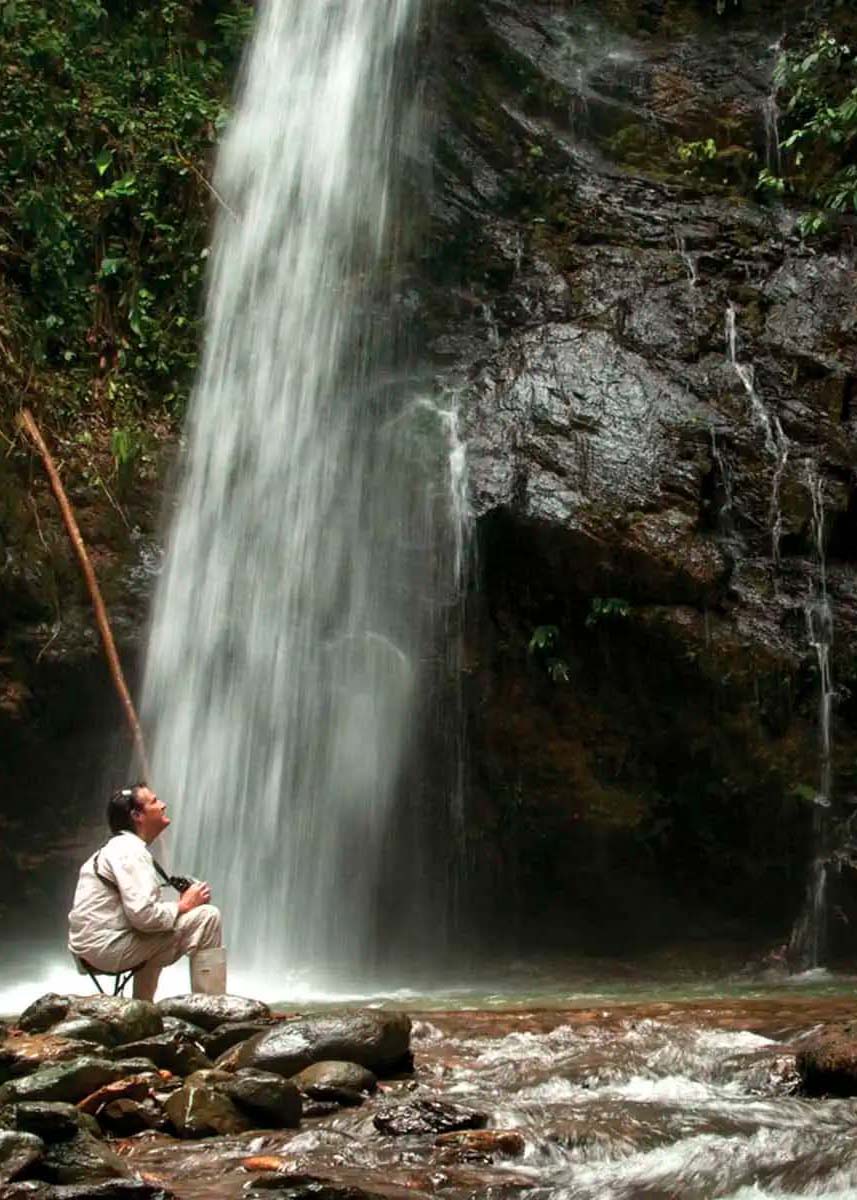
<point>103,916</point>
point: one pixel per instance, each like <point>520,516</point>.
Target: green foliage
<point>611,609</point>
<point>543,645</point>
<point>109,113</point>
<point>820,88</point>
<point>695,153</point>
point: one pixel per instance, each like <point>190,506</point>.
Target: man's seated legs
<point>196,932</point>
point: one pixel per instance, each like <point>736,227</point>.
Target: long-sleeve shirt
<point>118,891</point>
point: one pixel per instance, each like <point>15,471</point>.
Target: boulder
<point>228,1060</point>
<point>827,1061</point>
<point>230,1034</point>
<point>87,1029</point>
<point>209,1077</point>
<point>170,1052</point>
<point>52,1120</point>
<point>18,1151</point>
<point>378,1040</point>
<point>265,1097</point>
<point>197,1112</point>
<point>210,1011</point>
<point>131,1020</point>
<point>23,1053</point>
<point>81,1159</point>
<point>136,1066</point>
<point>194,1033</point>
<point>125,1117</point>
<point>69,1081</point>
<point>482,1143</point>
<point>135,1087</point>
<point>44,1012</point>
<point>342,1082</point>
<point>426,1116</point>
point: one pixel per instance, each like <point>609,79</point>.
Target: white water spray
<point>317,546</point>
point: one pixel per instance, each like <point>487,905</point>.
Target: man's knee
<point>206,925</point>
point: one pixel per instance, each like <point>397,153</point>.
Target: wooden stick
<point>25,418</point>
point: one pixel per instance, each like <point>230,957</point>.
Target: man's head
<point>138,810</point>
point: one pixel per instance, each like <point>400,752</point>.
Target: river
<point>639,1089</point>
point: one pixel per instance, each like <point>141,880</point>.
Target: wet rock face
<point>630,487</point>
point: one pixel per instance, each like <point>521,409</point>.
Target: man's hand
<point>196,894</point>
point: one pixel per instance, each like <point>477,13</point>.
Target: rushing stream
<point>659,1100</point>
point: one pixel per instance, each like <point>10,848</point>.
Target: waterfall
<point>299,656</point>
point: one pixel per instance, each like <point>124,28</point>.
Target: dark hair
<point>121,806</point>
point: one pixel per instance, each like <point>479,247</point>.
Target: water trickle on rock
<point>776,442</point>
<point>807,946</point>
<point>299,644</point>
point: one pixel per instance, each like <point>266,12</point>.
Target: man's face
<point>150,816</point>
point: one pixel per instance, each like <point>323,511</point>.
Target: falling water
<point>687,259</point>
<point>771,117</point>
<point>808,938</point>
<point>296,657</point>
<point>724,473</point>
<point>776,442</point>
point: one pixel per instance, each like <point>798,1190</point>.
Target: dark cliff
<point>643,695</point>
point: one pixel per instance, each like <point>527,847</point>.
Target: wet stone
<point>134,1088</point>
<point>136,1066</point>
<point>53,1121</point>
<point>170,1052</point>
<point>197,1112</point>
<point>210,1011</point>
<point>507,1143</point>
<point>328,1077</point>
<point>193,1033</point>
<point>22,1054</point>
<point>426,1116</point>
<point>110,1189</point>
<point>125,1117</point>
<point>69,1081</point>
<point>378,1040</point>
<point>18,1151</point>
<point>266,1097</point>
<point>827,1062</point>
<point>230,1034</point>
<point>44,1012</point>
<point>87,1029</point>
<point>81,1160</point>
<point>131,1020</point>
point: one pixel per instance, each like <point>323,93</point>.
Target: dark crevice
<point>848,390</point>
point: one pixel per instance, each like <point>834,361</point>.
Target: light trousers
<point>199,929</point>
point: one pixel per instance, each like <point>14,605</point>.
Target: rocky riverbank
<point>201,1097</point>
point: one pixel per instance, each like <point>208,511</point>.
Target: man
<point>119,920</point>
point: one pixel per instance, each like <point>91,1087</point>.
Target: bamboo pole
<point>25,418</point>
